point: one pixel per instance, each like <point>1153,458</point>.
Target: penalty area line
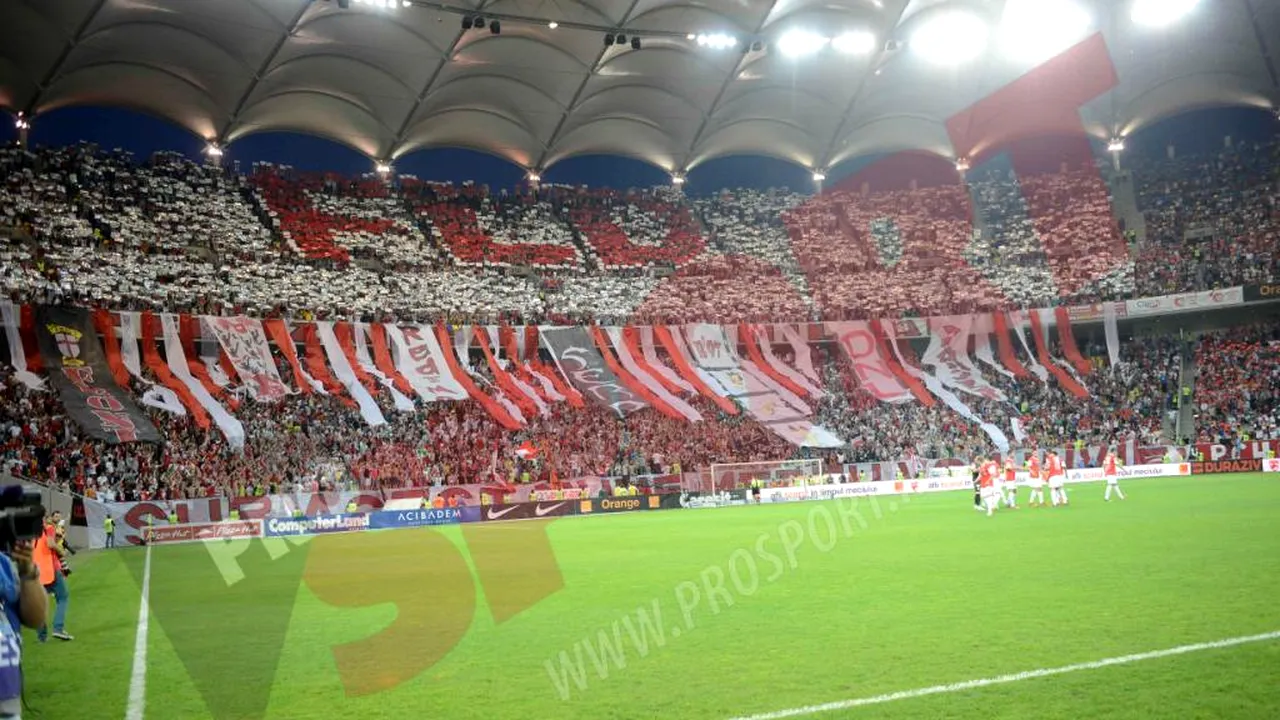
<point>136,710</point>
<point>1013,677</point>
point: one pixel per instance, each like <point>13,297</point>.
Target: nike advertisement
<point>529,510</point>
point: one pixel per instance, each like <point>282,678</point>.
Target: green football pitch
<point>883,608</point>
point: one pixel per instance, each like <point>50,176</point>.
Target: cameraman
<point>47,555</point>
<point>25,604</point>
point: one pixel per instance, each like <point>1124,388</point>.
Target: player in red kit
<point>1010,483</point>
<point>1111,472</point>
<point>989,479</point>
<point>1057,479</point>
<point>1037,482</point>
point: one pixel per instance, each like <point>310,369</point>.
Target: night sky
<point>1196,131</point>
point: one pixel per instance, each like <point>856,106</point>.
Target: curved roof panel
<point>390,80</point>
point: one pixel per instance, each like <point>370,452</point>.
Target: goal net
<point>772,473</point>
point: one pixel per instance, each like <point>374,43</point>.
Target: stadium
<point>602,359</point>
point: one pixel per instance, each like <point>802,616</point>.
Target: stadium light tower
<point>1161,13</point>
<point>677,179</point>
<point>1115,146</point>
<point>951,37</point>
<point>383,168</point>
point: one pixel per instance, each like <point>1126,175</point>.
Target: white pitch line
<point>1002,679</point>
<point>138,680</point>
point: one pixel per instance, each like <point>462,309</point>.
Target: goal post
<point>773,473</point>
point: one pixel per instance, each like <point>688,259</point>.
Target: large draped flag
<point>346,375</point>
<point>180,365</point>
<point>644,375</point>
<point>769,403</point>
<point>245,346</point>
<point>17,353</point>
<point>935,386</point>
<point>78,371</point>
<point>578,358</point>
<point>420,360</point>
<point>860,346</point>
<point>948,354</point>
<point>157,396</point>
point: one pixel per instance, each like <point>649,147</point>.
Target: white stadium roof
<point>811,81</point>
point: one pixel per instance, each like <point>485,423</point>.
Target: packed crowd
<point>1237,385</point>
<point>318,441</point>
<point>1211,221</point>
<point>97,228</point>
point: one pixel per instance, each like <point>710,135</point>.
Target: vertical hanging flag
<point>79,372</point>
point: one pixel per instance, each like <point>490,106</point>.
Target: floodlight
<point>1035,30</point>
<point>534,177</point>
<point>677,179</point>
<point>1115,145</point>
<point>1160,13</point>
<point>819,177</point>
<point>717,41</point>
<point>856,42</point>
<point>553,24</point>
<point>950,38</point>
<point>382,168</point>
<point>800,43</point>
<point>213,151</point>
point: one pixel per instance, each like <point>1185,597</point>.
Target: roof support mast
<point>738,67</point>
<point>287,31</point>
<point>427,87</point>
<point>877,61</point>
<point>577,94</point>
<point>56,69</point>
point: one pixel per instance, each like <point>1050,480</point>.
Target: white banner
<point>548,388</point>
<point>774,407</point>
<point>1130,471</point>
<point>731,335</point>
<point>948,353</point>
<point>982,348</point>
<point>156,396</point>
<point>1112,332</point>
<point>833,490</point>
<point>1016,322</point>
<point>419,358</point>
<point>245,344</point>
<point>361,340</point>
<point>773,361</point>
<point>1187,302</point>
<point>629,363</point>
<point>1271,465</point>
<point>342,370</point>
<point>1019,435</point>
<point>651,358</point>
<point>708,346</point>
<point>800,348</point>
<point>17,354</point>
<point>177,359</point>
<point>935,386</point>
<point>859,345</point>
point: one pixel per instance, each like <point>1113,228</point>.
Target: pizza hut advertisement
<point>166,534</point>
<point>529,510</point>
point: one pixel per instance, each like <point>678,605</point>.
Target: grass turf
<point>876,597</point>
